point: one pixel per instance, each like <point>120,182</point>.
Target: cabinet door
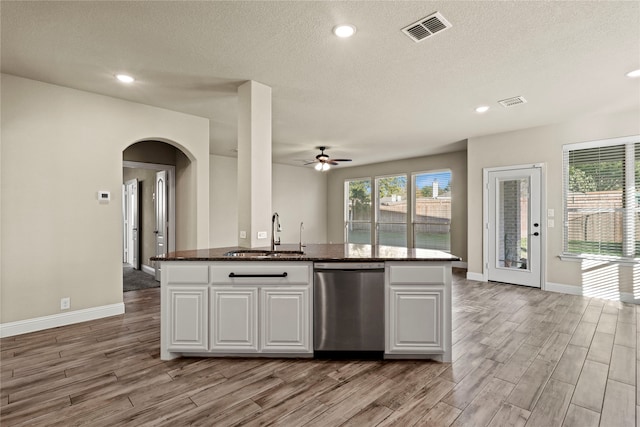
<point>285,320</point>
<point>187,318</point>
<point>415,319</point>
<point>234,320</point>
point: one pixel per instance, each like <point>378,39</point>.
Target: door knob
<point>535,224</point>
<point>536,234</point>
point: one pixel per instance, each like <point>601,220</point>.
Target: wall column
<point>254,164</point>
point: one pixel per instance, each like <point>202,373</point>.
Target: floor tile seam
<point>542,387</point>
<point>605,391</point>
<point>69,384</point>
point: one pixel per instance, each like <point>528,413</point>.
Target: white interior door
<point>161,210</point>
<point>132,221</point>
<point>125,226</point>
<point>513,226</point>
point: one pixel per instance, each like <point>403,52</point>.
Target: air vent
<point>426,27</point>
<point>512,102</point>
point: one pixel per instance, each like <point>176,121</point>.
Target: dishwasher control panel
<point>348,265</point>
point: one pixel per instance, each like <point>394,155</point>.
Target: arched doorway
<point>149,195</point>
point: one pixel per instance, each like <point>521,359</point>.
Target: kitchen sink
<point>254,253</point>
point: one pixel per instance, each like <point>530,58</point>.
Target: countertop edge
<point>316,253</point>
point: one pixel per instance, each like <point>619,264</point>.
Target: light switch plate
<point>104,196</point>
<point>243,234</point>
<point>262,234</point>
<point>550,223</point>
<point>551,213</point>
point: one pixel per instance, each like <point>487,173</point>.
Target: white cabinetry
<point>184,309</point>
<point>285,319</point>
<point>234,319</point>
<point>188,326</point>
<point>261,307</point>
<point>418,315</point>
<point>236,308</point>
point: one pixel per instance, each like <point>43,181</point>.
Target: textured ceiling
<point>374,97</point>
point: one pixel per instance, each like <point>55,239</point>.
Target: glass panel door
<point>513,226</point>
<point>391,210</point>
<point>432,210</point>
<point>513,223</point>
<point>358,211</point>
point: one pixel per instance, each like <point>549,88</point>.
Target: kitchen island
<point>257,302</point>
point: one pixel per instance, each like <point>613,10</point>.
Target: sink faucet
<point>301,228</point>
<point>275,226</point>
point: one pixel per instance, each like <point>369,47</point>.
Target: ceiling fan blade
<point>332,162</point>
<point>341,160</point>
<point>311,162</point>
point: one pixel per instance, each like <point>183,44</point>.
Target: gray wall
<point>61,146</point>
<point>544,145</point>
<point>298,195</point>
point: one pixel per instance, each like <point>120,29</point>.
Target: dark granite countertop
<point>315,252</point>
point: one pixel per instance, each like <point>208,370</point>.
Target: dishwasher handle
<point>232,274</point>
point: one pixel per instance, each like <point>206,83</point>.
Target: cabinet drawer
<point>187,273</point>
<point>407,274</point>
<point>260,272</point>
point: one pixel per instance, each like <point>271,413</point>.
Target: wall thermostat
<point>104,196</point>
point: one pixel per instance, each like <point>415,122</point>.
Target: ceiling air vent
<point>512,102</point>
<point>426,27</point>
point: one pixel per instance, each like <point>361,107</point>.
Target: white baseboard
<point>563,289</point>
<point>577,290</point>
<point>62,319</point>
<point>475,276</point>
<point>148,270</point>
<point>459,264</point>
<point>630,298</point>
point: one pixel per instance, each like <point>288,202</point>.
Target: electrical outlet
<point>243,234</point>
<point>262,234</point>
<point>65,303</point>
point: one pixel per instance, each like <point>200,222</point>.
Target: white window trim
<point>412,217</point>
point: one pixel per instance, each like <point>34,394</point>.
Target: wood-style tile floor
<point>521,357</point>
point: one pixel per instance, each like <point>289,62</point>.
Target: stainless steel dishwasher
<point>348,306</point>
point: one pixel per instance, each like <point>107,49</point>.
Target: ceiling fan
<point>324,162</point>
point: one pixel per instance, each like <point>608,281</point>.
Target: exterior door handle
<point>536,234</point>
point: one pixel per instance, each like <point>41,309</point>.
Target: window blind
<point>600,199</point>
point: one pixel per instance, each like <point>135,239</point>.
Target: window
<point>358,211</point>
<point>391,210</point>
<point>427,196</point>
<point>432,210</point>
<point>601,192</point>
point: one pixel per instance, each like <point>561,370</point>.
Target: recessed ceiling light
<point>125,78</point>
<point>634,73</point>
<point>482,109</point>
<point>344,31</point>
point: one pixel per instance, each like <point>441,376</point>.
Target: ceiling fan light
<point>634,73</point>
<point>125,78</point>
<point>318,166</point>
<point>326,167</point>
